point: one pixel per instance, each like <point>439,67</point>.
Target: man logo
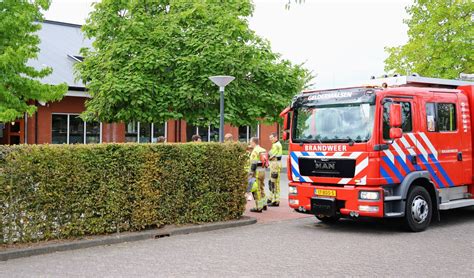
<point>320,165</point>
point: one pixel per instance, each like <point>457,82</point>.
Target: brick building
<point>58,122</point>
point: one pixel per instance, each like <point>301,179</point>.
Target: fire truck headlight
<point>369,195</point>
<point>292,190</point>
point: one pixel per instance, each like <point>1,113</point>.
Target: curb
<point>124,237</point>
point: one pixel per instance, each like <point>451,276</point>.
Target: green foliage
<point>66,191</point>
<point>440,40</point>
<point>152,59</point>
<point>18,43</point>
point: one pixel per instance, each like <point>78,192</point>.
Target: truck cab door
<point>400,157</point>
<point>440,140</point>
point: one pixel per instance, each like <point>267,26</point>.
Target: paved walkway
<point>273,214</point>
<point>283,212</point>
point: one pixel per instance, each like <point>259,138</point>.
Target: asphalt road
<point>302,247</point>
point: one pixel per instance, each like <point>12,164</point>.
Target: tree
<point>152,59</point>
<point>440,40</point>
<point>19,83</point>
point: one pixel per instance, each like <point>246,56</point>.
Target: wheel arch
<point>421,178</point>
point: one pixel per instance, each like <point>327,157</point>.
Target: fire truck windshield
<point>334,123</point>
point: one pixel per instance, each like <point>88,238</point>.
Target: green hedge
<point>66,191</point>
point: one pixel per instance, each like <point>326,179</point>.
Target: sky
<point>341,41</point>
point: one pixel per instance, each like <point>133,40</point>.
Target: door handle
<point>459,156</point>
<point>413,160</point>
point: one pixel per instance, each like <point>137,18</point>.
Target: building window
<point>190,131</point>
<point>207,133</point>
<point>76,130</point>
<point>144,132</point>
<point>59,129</point>
<point>441,116</point>
<point>158,130</point>
<point>71,129</point>
<point>243,133</point>
<point>92,132</point>
<point>247,132</point>
<point>213,134</point>
<point>131,132</point>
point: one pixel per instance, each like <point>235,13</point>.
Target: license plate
<point>325,192</point>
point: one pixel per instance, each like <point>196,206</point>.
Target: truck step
<point>394,214</point>
<point>392,198</point>
<point>456,204</point>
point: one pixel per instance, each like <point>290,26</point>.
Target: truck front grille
<point>323,167</point>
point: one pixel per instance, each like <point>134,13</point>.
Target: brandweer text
<point>325,148</point>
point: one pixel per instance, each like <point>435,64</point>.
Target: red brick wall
<point>66,105</point>
<point>232,130</point>
<point>115,132</point>
<point>265,131</point>
<point>175,133</point>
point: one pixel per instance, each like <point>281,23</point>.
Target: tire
<point>418,210</point>
<point>328,219</point>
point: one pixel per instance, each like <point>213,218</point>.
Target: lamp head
<point>221,80</point>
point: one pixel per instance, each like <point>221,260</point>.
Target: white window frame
<point>248,132</point>
<point>85,132</point>
<point>85,127</point>
<point>208,132</point>
<point>152,129</point>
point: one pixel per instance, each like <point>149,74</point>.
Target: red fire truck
<point>398,147</point>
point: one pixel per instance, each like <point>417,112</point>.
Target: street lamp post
<point>221,81</point>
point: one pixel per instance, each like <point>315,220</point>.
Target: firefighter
<point>257,175</point>
<point>251,178</point>
<point>275,167</point>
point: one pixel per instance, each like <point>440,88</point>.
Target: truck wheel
<point>418,210</point>
<point>328,219</point>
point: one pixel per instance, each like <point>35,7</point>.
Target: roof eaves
<point>62,23</point>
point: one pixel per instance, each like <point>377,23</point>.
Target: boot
<point>265,207</point>
<point>274,204</point>
<point>256,210</point>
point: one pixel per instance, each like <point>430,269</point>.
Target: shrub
<point>66,191</point>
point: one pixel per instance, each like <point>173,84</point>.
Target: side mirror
<point>286,122</point>
<point>395,133</point>
<point>395,115</point>
<point>286,115</point>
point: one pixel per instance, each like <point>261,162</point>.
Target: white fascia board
<point>77,94</point>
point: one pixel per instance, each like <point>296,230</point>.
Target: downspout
<point>179,131</point>
<point>36,123</point>
<point>175,130</point>
<point>26,129</point>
